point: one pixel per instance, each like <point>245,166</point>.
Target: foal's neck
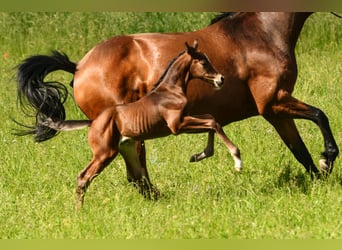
<point>177,73</point>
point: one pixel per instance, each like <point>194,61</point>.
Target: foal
<point>158,114</point>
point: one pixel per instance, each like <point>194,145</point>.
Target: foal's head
<point>201,67</point>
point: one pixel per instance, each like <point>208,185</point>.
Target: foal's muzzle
<point>218,81</point>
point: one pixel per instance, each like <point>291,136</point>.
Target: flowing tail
<point>42,99</point>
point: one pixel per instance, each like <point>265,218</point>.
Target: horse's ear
<point>195,44</point>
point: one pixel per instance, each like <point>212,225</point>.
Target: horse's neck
<point>284,28</point>
<point>177,73</point>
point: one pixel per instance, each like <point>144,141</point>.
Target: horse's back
<point>124,68</point>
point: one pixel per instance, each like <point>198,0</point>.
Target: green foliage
<point>272,198</point>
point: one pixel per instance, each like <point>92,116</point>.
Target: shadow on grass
<point>294,179</point>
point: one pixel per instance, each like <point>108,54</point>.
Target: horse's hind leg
<point>134,153</point>
<point>289,107</point>
<point>288,132</point>
<point>103,140</point>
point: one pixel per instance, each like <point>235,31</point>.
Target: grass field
<point>272,198</point>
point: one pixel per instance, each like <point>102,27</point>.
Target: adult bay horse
<point>254,51</point>
<point>157,114</point>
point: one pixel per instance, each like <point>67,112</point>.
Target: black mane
<point>219,17</point>
<point>167,69</point>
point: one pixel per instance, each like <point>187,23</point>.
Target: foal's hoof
<point>78,205</point>
<point>238,165</point>
<point>193,158</point>
<point>198,157</point>
<point>238,169</point>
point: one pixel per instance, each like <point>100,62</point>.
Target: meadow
<point>273,198</point>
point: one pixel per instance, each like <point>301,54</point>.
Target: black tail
<point>42,99</point>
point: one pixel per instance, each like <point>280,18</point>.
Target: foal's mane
<point>167,69</point>
<point>217,18</point>
<point>221,16</point>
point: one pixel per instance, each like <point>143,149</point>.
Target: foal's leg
<point>234,151</point>
<point>208,151</point>
<point>103,140</point>
<point>193,124</point>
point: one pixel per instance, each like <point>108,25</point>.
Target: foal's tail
<point>42,99</point>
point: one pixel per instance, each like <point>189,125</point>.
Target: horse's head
<point>202,68</point>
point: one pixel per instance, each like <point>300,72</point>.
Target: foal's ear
<point>187,46</point>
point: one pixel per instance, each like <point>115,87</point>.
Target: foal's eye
<point>204,63</point>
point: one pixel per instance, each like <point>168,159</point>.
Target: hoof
<point>238,165</point>
<point>325,166</point>
<point>238,169</point>
<point>198,157</point>
<point>151,193</point>
<point>147,189</point>
<point>193,158</point>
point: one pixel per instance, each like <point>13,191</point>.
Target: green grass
<point>272,198</point>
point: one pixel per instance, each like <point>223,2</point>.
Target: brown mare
<point>158,114</point>
<point>254,51</point>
